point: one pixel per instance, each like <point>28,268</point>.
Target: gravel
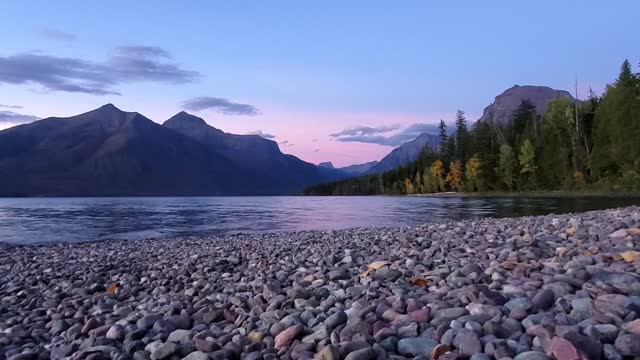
<point>531,288</point>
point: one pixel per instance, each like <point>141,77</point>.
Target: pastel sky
<point>319,76</point>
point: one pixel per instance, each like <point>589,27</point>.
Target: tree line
<point>575,145</point>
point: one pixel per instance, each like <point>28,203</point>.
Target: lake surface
<point>45,220</point>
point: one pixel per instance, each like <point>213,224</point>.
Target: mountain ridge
<point>404,153</point>
<point>501,109</point>
<point>110,152</point>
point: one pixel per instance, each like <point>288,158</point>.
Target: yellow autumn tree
<point>408,186</point>
<point>436,176</point>
<point>418,183</point>
<point>472,174</point>
<point>454,177</point>
<point>427,183</point>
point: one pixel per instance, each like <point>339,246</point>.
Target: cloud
<point>123,65</point>
<point>15,118</point>
<point>370,135</point>
<point>261,134</point>
<point>365,130</point>
<point>10,106</point>
<point>219,104</point>
<point>57,35</point>
<point>140,51</point>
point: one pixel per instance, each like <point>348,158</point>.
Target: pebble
<point>529,288</point>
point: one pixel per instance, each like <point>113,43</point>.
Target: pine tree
<point>616,145</point>
<point>442,130</point>
<point>626,77</point>
<point>462,137</point>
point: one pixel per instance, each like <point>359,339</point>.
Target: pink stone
<point>561,349</point>
<point>421,316</point>
<point>286,337</point>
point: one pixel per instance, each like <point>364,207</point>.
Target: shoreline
<point>534,194</point>
<point>527,288</point>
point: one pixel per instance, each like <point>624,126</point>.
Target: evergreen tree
<point>485,144</point>
<point>523,124</point>
<point>444,138</point>
<point>554,161</point>
<point>616,146</point>
<point>462,137</point>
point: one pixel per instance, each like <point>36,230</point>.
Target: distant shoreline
<point>534,194</point>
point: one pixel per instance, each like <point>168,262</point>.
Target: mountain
<point>502,108</point>
<point>327,165</point>
<point>109,152</point>
<point>276,173</point>
<point>358,169</point>
<point>405,153</point>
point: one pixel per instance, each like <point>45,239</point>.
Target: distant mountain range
<point>358,169</point>
<point>327,165</point>
<point>405,153</point>
<point>502,108</point>
<point>109,152</point>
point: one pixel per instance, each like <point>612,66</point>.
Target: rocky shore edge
<point>530,288</point>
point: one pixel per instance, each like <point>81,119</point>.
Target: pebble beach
<point>531,288</point>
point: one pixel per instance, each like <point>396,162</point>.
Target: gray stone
<point>416,346</point>
<point>531,355</point>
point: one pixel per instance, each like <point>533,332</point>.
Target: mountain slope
<point>502,108</point>
<point>358,169</point>
<point>327,165</point>
<point>110,152</point>
<point>405,153</point>
<point>276,173</point>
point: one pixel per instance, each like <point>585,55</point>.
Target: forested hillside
<point>588,145</point>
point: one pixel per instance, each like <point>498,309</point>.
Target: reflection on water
<point>43,220</point>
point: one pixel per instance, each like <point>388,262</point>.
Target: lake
<point>45,220</point>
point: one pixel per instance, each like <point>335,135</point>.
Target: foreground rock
<point>535,288</point>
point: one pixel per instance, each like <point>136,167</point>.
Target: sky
<point>340,81</point>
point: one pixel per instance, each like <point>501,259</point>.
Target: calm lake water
<point>43,220</point>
